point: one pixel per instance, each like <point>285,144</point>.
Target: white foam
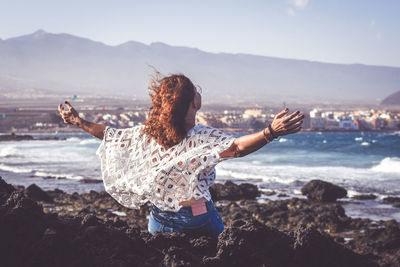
<point>7,151</point>
<point>358,139</point>
<point>282,140</point>
<point>89,141</point>
<point>58,175</point>
<point>388,165</point>
<point>15,169</point>
<point>24,169</point>
<point>73,139</point>
<point>297,192</point>
<point>352,193</point>
<point>277,175</point>
<point>239,175</point>
<point>364,144</point>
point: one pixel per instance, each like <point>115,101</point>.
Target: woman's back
<point>136,169</point>
<point>168,165</point>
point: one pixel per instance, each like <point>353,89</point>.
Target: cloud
<point>372,23</point>
<point>296,5</point>
<point>300,3</point>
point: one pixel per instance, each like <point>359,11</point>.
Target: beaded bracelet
<point>272,131</point>
<point>266,137</point>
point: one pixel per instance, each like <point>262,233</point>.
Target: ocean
<point>361,162</point>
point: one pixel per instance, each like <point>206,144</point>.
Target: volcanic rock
<point>364,197</point>
<point>14,137</point>
<point>85,230</point>
<point>391,199</point>
<point>36,193</point>
<point>322,191</point>
<point>313,248</point>
<point>5,190</point>
<point>232,191</point>
<point>249,242</point>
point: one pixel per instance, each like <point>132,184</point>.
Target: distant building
<point>252,113</point>
<point>332,124</point>
<point>393,123</point>
<point>125,117</point>
<point>378,123</point>
<point>316,121</point>
<point>348,123</point>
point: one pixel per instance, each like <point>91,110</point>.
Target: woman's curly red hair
<point>170,97</point>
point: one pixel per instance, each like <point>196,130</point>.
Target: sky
<point>335,31</point>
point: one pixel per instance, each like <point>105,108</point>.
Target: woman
<point>169,160</point>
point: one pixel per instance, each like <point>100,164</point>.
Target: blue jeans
<point>209,223</point>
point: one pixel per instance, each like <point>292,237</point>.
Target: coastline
<point>319,224</point>
<point>373,209</point>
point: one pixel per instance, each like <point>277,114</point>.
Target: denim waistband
<point>185,210</point>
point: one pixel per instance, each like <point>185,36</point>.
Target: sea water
<point>361,162</point>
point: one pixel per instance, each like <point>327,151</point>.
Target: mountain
<point>67,63</point>
<point>393,99</point>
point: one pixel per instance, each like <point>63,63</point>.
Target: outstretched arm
<point>281,125</point>
<point>71,116</point>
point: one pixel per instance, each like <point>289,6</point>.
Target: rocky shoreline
<point>24,137</point>
<point>53,228</point>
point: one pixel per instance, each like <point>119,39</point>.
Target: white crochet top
<point>136,169</point>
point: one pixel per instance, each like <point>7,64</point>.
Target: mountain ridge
<point>76,64</point>
<point>393,99</point>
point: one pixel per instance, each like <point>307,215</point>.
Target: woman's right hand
<point>283,125</point>
<point>70,116</point>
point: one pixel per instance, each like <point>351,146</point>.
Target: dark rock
<point>232,191</point>
<point>382,241</point>
<point>178,249</point>
<point>90,181</point>
<point>178,256</point>
<point>313,248</point>
<point>18,202</point>
<point>117,222</point>
<point>364,197</point>
<point>282,195</point>
<point>268,193</point>
<point>5,190</point>
<point>249,243</point>
<point>81,230</point>
<point>318,190</point>
<point>19,187</point>
<point>14,137</point>
<point>30,237</point>
<point>36,193</point>
<point>89,220</point>
<point>249,191</point>
<point>391,199</point>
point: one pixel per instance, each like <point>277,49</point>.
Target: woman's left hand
<point>283,125</point>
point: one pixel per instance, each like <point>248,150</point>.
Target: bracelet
<point>266,137</point>
<point>272,131</point>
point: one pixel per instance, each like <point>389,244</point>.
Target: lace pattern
<point>136,169</point>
